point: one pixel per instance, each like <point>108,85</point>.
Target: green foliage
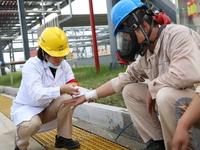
<point>5,80</point>
<point>87,77</point>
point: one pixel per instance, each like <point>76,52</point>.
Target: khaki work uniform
<point>173,69</point>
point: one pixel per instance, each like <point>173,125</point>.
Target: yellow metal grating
<point>88,140</point>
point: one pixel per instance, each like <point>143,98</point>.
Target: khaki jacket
<point>175,62</point>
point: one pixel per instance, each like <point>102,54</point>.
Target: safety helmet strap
<point>144,46</point>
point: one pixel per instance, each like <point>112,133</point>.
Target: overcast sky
<point>82,6</point>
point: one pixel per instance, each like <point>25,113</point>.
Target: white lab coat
<point>37,90</point>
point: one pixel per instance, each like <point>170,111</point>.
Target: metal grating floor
<point>88,140</point>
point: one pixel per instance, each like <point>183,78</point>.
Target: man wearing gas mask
<point>168,57</point>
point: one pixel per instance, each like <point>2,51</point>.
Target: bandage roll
<point>76,87</point>
<point>91,95</point>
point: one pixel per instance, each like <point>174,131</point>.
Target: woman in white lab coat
<point>47,80</point>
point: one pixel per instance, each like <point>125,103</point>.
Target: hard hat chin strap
<point>144,46</point>
<point>158,34</point>
<point>43,55</point>
<point>151,28</point>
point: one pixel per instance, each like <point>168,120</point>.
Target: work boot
<point>62,142</point>
<point>155,145</point>
<point>17,148</point>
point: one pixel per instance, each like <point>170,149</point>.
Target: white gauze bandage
<point>76,87</point>
<point>91,95</point>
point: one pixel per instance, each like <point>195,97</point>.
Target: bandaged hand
<point>91,96</point>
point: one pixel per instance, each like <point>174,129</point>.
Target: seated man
<point>168,57</point>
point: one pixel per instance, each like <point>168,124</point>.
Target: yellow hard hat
<point>54,42</point>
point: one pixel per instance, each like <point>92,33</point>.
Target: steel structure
<point>34,11</point>
<point>19,17</point>
<point>78,37</point>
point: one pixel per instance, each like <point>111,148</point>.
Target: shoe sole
<point>72,147</point>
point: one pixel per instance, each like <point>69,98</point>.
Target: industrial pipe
<point>8,38</point>
<point>94,40</point>
<point>29,11</point>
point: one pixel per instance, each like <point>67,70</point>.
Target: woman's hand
<point>70,88</point>
<point>90,96</point>
<point>151,103</point>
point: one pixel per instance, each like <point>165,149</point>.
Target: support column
<point>113,45</point>
<point>3,72</point>
<point>12,57</point>
<point>23,26</point>
<point>94,40</point>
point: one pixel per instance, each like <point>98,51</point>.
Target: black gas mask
<point>127,45</point>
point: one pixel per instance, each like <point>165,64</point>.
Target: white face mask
<point>51,65</point>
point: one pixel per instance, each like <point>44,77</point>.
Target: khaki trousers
<point>151,127</point>
<point>62,112</point>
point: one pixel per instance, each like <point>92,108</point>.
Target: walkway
<point>43,141</point>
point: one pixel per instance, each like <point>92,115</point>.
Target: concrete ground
<point>123,140</point>
<point>7,135</point>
